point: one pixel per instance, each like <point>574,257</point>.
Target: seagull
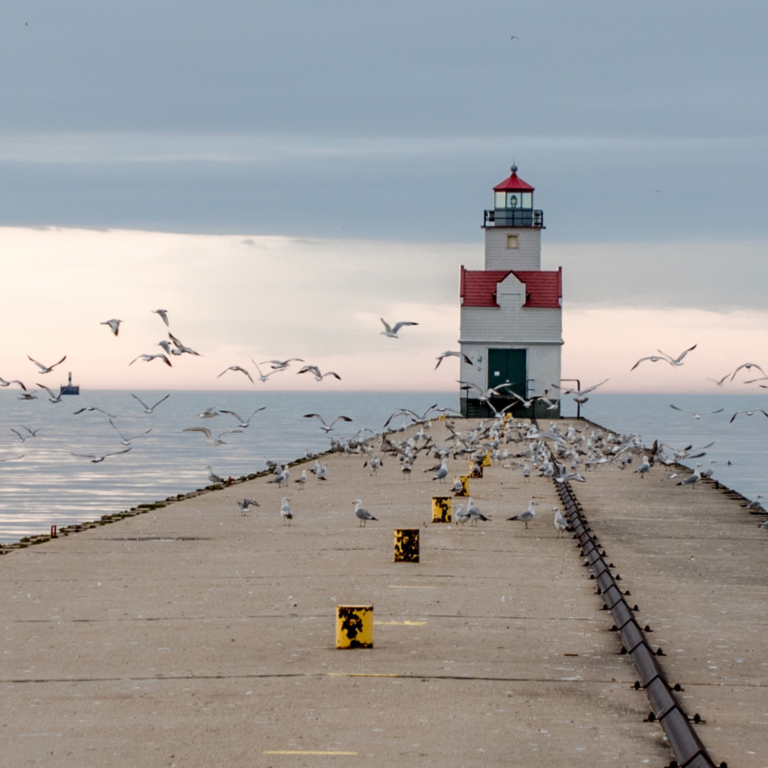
<point>644,467</point>
<point>209,438</point>
<point>315,371</point>
<point>474,513</point>
<point>280,365</point>
<point>392,332</point>
<point>91,408</point>
<point>21,437</point>
<point>692,479</point>
<point>527,515</point>
<point>302,481</point>
<point>114,325</point>
<point>213,478</point>
<point>47,368</point>
<point>147,408</point>
<point>27,396</point>
<point>281,477</point>
<point>679,359</point>
<point>580,391</point>
<point>755,503</point>
<point>236,368</point>
<point>362,514</point>
<point>182,348</point>
<point>320,474</point>
<point>560,523</point>
<point>326,427</point>
<point>442,472</point>
<point>749,413</point>
<point>442,357</point>
<point>96,459</point>
<point>461,515</point>
<point>163,313</point>
<point>244,423</point>
<point>127,440</point>
<point>264,376</point>
<point>208,413</point>
<point>54,398</point>
<point>246,504</point>
<point>4,383</point>
<point>697,416</point>
<point>748,366</point>
<point>168,349</point>
<point>285,510</point>
<point>148,358</point>
<point>719,382</point>
<point>674,361</point>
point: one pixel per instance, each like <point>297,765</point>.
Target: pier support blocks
<point>441,510</point>
<point>354,626</point>
<point>407,544</point>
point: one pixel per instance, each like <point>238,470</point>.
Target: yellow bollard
<point>441,417</point>
<point>441,509</point>
<point>407,544</point>
<point>354,626</point>
<point>475,470</point>
<point>464,485</point>
<point>487,459</point>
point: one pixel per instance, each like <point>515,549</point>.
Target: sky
<point>280,176</point>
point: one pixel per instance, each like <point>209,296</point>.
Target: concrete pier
<point>191,635</point>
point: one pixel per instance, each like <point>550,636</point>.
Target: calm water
<point>50,486</point>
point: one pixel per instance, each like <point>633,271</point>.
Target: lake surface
<point>49,485</point>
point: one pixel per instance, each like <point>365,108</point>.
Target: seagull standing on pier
<point>363,515</point>
<point>285,511</point>
<point>692,479</point>
<point>527,515</point>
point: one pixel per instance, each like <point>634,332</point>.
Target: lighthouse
<point>511,315</point>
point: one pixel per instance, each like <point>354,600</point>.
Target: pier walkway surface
<point>193,636</point>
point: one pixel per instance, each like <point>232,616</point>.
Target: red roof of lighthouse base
<point>543,290</point>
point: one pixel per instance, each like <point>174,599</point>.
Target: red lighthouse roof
<point>513,182</point>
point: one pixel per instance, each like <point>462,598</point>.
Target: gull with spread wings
<point>673,361</point>
<point>391,331</point>
<point>47,368</point>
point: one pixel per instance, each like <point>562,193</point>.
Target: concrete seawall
<point>193,636</point>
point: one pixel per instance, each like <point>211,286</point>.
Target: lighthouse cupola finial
<point>514,168</point>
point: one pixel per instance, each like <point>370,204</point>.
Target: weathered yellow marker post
<point>441,509</point>
<point>354,626</point>
<point>407,545</point>
<point>487,459</point>
<point>464,492</point>
<point>475,470</point>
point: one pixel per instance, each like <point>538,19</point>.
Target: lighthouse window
<point>513,241</point>
<point>500,200</point>
<point>513,200</point>
<point>527,200</point>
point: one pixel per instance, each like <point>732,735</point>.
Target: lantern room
<point>513,204</point>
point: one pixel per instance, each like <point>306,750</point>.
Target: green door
<point>508,365</point>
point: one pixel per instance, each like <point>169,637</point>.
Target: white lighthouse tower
<point>511,316</point>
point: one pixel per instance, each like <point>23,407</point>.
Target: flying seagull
<point>127,440</point>
<point>749,413</point>
<point>392,332</point>
<point>674,361</point>
<point>697,416</point>
<point>244,423</point>
<point>264,376</point>
<point>147,408</point>
<point>164,314</point>
<point>4,383</point>
<point>279,365</point>
<point>47,368</point>
<point>182,348</point>
<point>114,325</point>
<point>442,357</point>
<point>238,369</point>
<point>326,428</point>
<point>748,366</point>
<point>91,408</point>
<point>315,371</point>
<point>719,382</point>
<point>52,397</point>
<point>209,438</point>
<point>148,358</point>
<point>95,458</point>
<point>246,504</point>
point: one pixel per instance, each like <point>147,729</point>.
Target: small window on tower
<point>513,241</point>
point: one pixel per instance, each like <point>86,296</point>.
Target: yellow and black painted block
<point>475,470</point>
<point>354,626</point>
<point>407,544</point>
<point>441,509</point>
<point>464,492</point>
<point>487,459</point>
